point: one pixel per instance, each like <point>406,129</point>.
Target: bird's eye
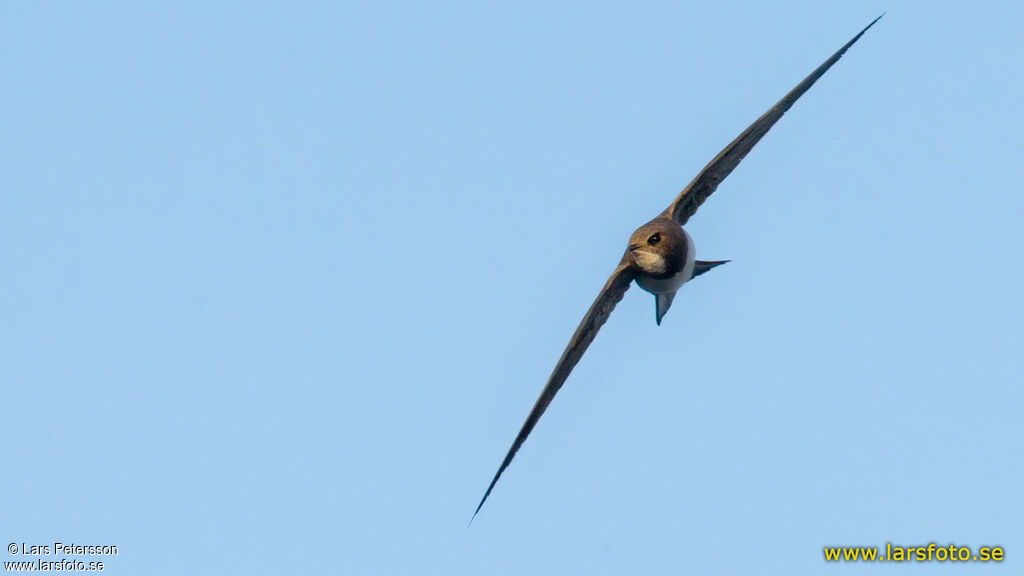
<point>654,239</point>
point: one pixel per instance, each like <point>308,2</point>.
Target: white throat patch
<point>650,262</point>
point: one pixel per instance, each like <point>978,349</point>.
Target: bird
<point>660,255</point>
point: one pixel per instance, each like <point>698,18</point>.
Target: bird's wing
<point>599,311</point>
<point>686,204</point>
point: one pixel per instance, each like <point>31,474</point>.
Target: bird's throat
<point>650,262</point>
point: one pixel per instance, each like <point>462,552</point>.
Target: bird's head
<point>658,248</point>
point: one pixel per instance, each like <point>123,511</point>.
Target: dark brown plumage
<point>711,176</point>
<point>610,295</point>
<point>660,251</point>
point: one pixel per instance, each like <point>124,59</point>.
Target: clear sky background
<point>281,282</point>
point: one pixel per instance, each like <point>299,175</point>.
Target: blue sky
<point>282,282</point>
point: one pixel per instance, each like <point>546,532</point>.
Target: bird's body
<point>660,255</point>
<point>665,286</point>
<point>663,257</point>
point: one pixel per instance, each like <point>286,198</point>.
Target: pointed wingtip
<point>477,511</point>
<point>859,34</point>
<point>871,24</point>
<point>478,507</point>
<point>487,493</point>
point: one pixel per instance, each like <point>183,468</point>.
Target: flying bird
<point>660,255</point>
